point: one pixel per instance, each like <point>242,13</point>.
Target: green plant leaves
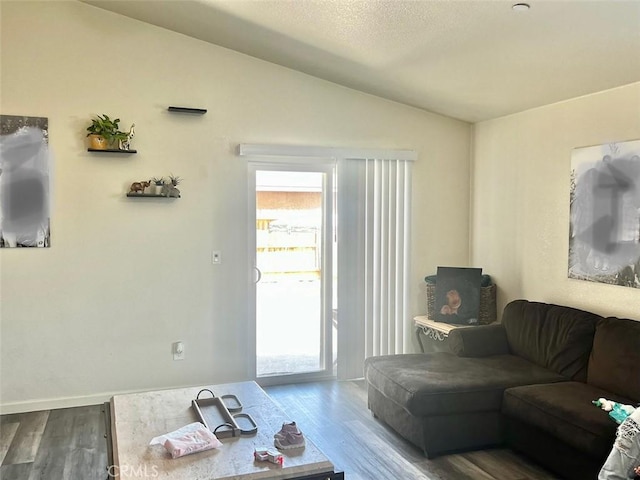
<point>108,128</point>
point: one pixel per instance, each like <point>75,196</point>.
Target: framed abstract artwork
<point>604,230</point>
<point>24,182</point>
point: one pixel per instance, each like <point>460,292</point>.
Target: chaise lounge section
<point>510,382</point>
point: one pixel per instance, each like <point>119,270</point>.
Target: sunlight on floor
<point>288,327</point>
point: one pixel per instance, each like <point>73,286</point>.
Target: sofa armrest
<point>480,341</point>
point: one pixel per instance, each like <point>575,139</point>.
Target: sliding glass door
<point>292,207</point>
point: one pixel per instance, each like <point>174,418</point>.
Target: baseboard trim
<point>69,402</point>
<point>53,403</point>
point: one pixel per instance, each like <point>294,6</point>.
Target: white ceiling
<point>472,60</point>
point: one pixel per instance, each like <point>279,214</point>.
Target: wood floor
<point>335,416</point>
<point>69,444</point>
<point>61,444</point>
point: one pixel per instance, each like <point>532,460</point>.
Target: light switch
<point>178,351</point>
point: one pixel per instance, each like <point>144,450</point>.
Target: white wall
<point>520,214</point>
<point>97,312</point>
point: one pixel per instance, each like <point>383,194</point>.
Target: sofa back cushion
<point>556,337</point>
<point>614,363</point>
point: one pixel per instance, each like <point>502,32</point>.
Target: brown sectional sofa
<point>527,382</point>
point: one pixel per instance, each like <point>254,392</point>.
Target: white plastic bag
<point>191,438</point>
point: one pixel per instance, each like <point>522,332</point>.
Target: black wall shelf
<point>148,195</point>
<point>197,111</point>
<point>110,150</point>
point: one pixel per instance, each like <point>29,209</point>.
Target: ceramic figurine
<point>126,144</point>
<point>169,189</point>
<point>139,187</point>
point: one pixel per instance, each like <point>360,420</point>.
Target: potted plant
<point>159,183</point>
<point>104,132</point>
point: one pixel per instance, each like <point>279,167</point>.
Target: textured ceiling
<point>472,60</point>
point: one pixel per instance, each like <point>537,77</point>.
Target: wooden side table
<point>438,331</point>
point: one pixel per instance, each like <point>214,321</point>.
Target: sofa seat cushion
<point>442,383</point>
<point>564,411</point>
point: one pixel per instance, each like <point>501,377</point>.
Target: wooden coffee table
<point>136,418</point>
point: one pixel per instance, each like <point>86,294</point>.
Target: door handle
<point>259,274</point>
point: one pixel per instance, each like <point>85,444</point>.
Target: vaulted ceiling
<point>472,60</point>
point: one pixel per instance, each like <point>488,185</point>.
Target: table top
<point>445,328</point>
<point>137,418</point>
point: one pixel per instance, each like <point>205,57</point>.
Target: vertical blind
<point>373,251</point>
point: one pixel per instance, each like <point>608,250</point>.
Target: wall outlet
<point>178,351</point>
<point>216,257</point>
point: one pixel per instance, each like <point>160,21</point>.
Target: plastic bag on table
<point>191,438</point>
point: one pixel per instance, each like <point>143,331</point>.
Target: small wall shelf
<point>148,195</point>
<point>110,150</point>
<point>197,111</point>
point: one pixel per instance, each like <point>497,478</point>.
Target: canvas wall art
<point>24,182</point>
<point>604,231</point>
<point>458,295</point>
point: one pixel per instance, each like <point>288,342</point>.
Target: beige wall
<point>520,207</point>
<point>97,312</point>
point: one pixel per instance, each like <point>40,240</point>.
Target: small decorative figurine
<point>139,187</point>
<point>126,144</point>
<point>169,189</point>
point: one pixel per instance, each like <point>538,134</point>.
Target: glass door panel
<point>293,258</point>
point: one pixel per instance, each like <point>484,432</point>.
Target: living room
<point>97,313</point>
